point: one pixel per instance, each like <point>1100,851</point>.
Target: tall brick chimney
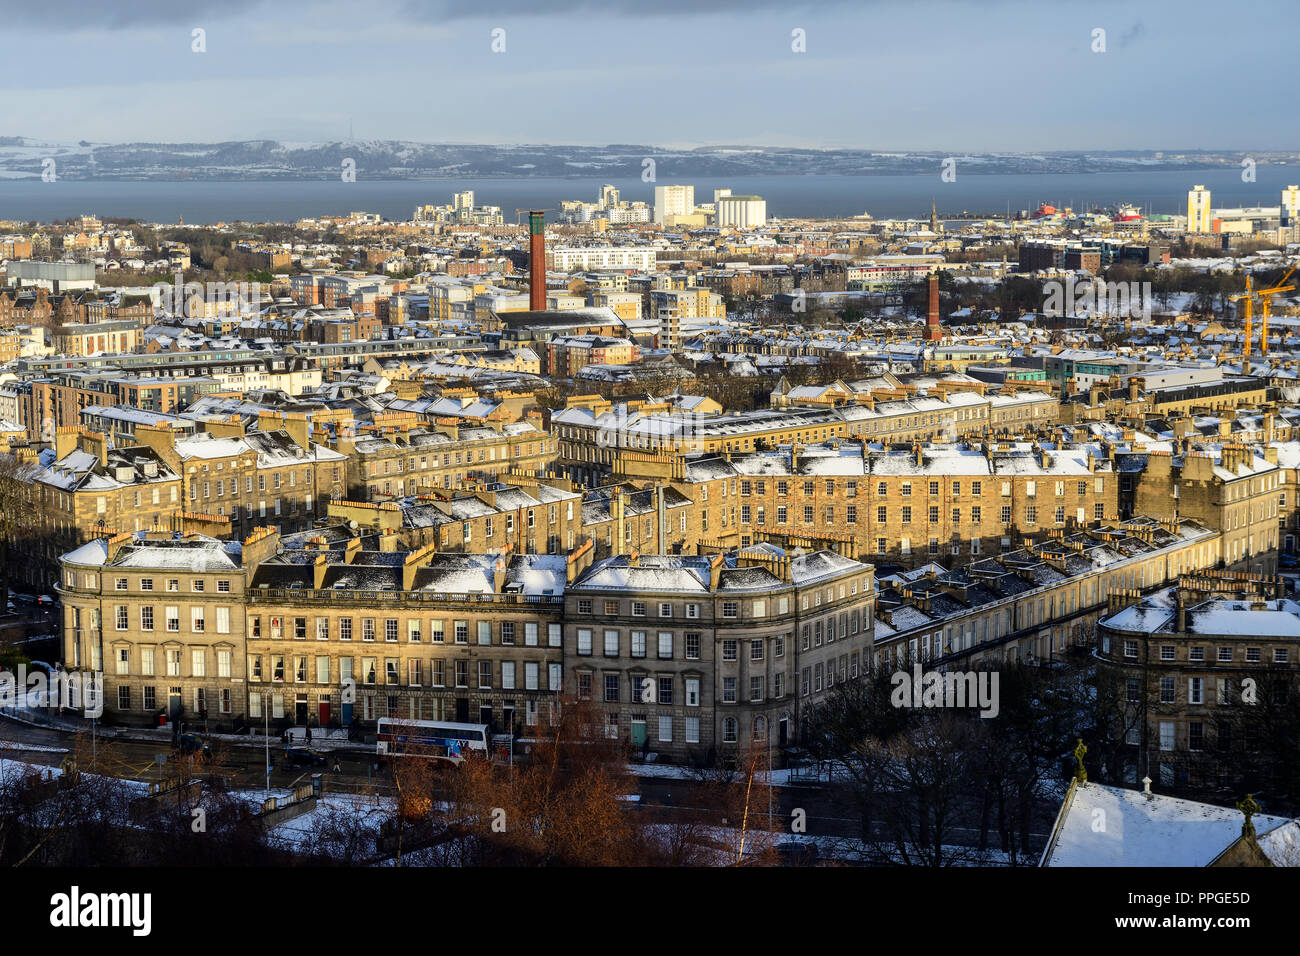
<point>933,331</point>
<point>536,261</point>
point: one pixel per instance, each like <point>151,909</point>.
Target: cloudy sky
<point>984,75</point>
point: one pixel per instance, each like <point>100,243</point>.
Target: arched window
<point>760,728</point>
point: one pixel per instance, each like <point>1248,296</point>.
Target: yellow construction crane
<point>1265,297</point>
<point>1266,303</point>
<point>1248,297</point>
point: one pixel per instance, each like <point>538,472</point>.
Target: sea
<point>893,196</point>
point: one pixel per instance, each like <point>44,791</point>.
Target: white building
<point>741,212</point>
<point>1291,204</point>
<point>1198,210</point>
<point>600,257</point>
<point>673,201</point>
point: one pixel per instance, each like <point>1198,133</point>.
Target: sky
<point>969,75</point>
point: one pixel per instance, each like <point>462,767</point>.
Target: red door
<point>324,713</point>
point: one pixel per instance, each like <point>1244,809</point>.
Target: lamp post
<point>266,724</point>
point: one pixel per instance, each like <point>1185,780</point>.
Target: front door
<point>174,703</point>
<point>638,733</point>
<point>485,714</point>
<point>783,732</point>
<point>324,711</point>
<point>300,709</point>
<point>462,710</point>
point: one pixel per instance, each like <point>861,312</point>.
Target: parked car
<point>302,757</point>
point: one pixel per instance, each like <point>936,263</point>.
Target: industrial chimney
<point>536,261</point>
<point>933,331</point>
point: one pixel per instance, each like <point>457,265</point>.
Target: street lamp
<point>266,721</point>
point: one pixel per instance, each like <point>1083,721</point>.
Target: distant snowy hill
<point>397,159</point>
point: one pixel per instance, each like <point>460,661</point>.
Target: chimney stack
<point>536,261</point>
<point>933,332</point>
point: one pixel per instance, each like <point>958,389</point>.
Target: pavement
<point>323,740</point>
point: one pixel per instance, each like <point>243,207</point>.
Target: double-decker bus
<point>434,739</point>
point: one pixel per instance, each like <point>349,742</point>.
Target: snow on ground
<point>31,748</point>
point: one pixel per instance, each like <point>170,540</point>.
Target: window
<point>756,649</point>
<point>728,690</point>
<point>692,692</point>
<point>665,645</point>
<point>367,628</point>
<point>692,612</point>
<point>345,629</point>
<point>729,730</point>
<point>530,675</point>
<point>196,620</point>
<point>611,688</point>
<point>462,632</point>
<point>638,608</point>
<point>665,690</point>
<point>729,608</point>
<point>1166,690</point>
<point>1166,735</point>
<point>665,609</point>
<point>584,641</point>
<point>1130,648</point>
<point>1252,655</point>
<point>611,643</point>
<point>730,650</point>
<point>665,728</point>
<point>692,645</point>
<point>1167,652</point>
<point>197,584</point>
<point>1195,690</point>
<point>484,674</point>
<point>756,688</point>
<point>123,621</point>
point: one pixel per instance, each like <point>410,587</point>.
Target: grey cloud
<point>81,15</point>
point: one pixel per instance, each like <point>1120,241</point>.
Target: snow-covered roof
<point>1110,826</point>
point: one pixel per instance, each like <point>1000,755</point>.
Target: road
<point>242,765</point>
<point>826,810</point>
